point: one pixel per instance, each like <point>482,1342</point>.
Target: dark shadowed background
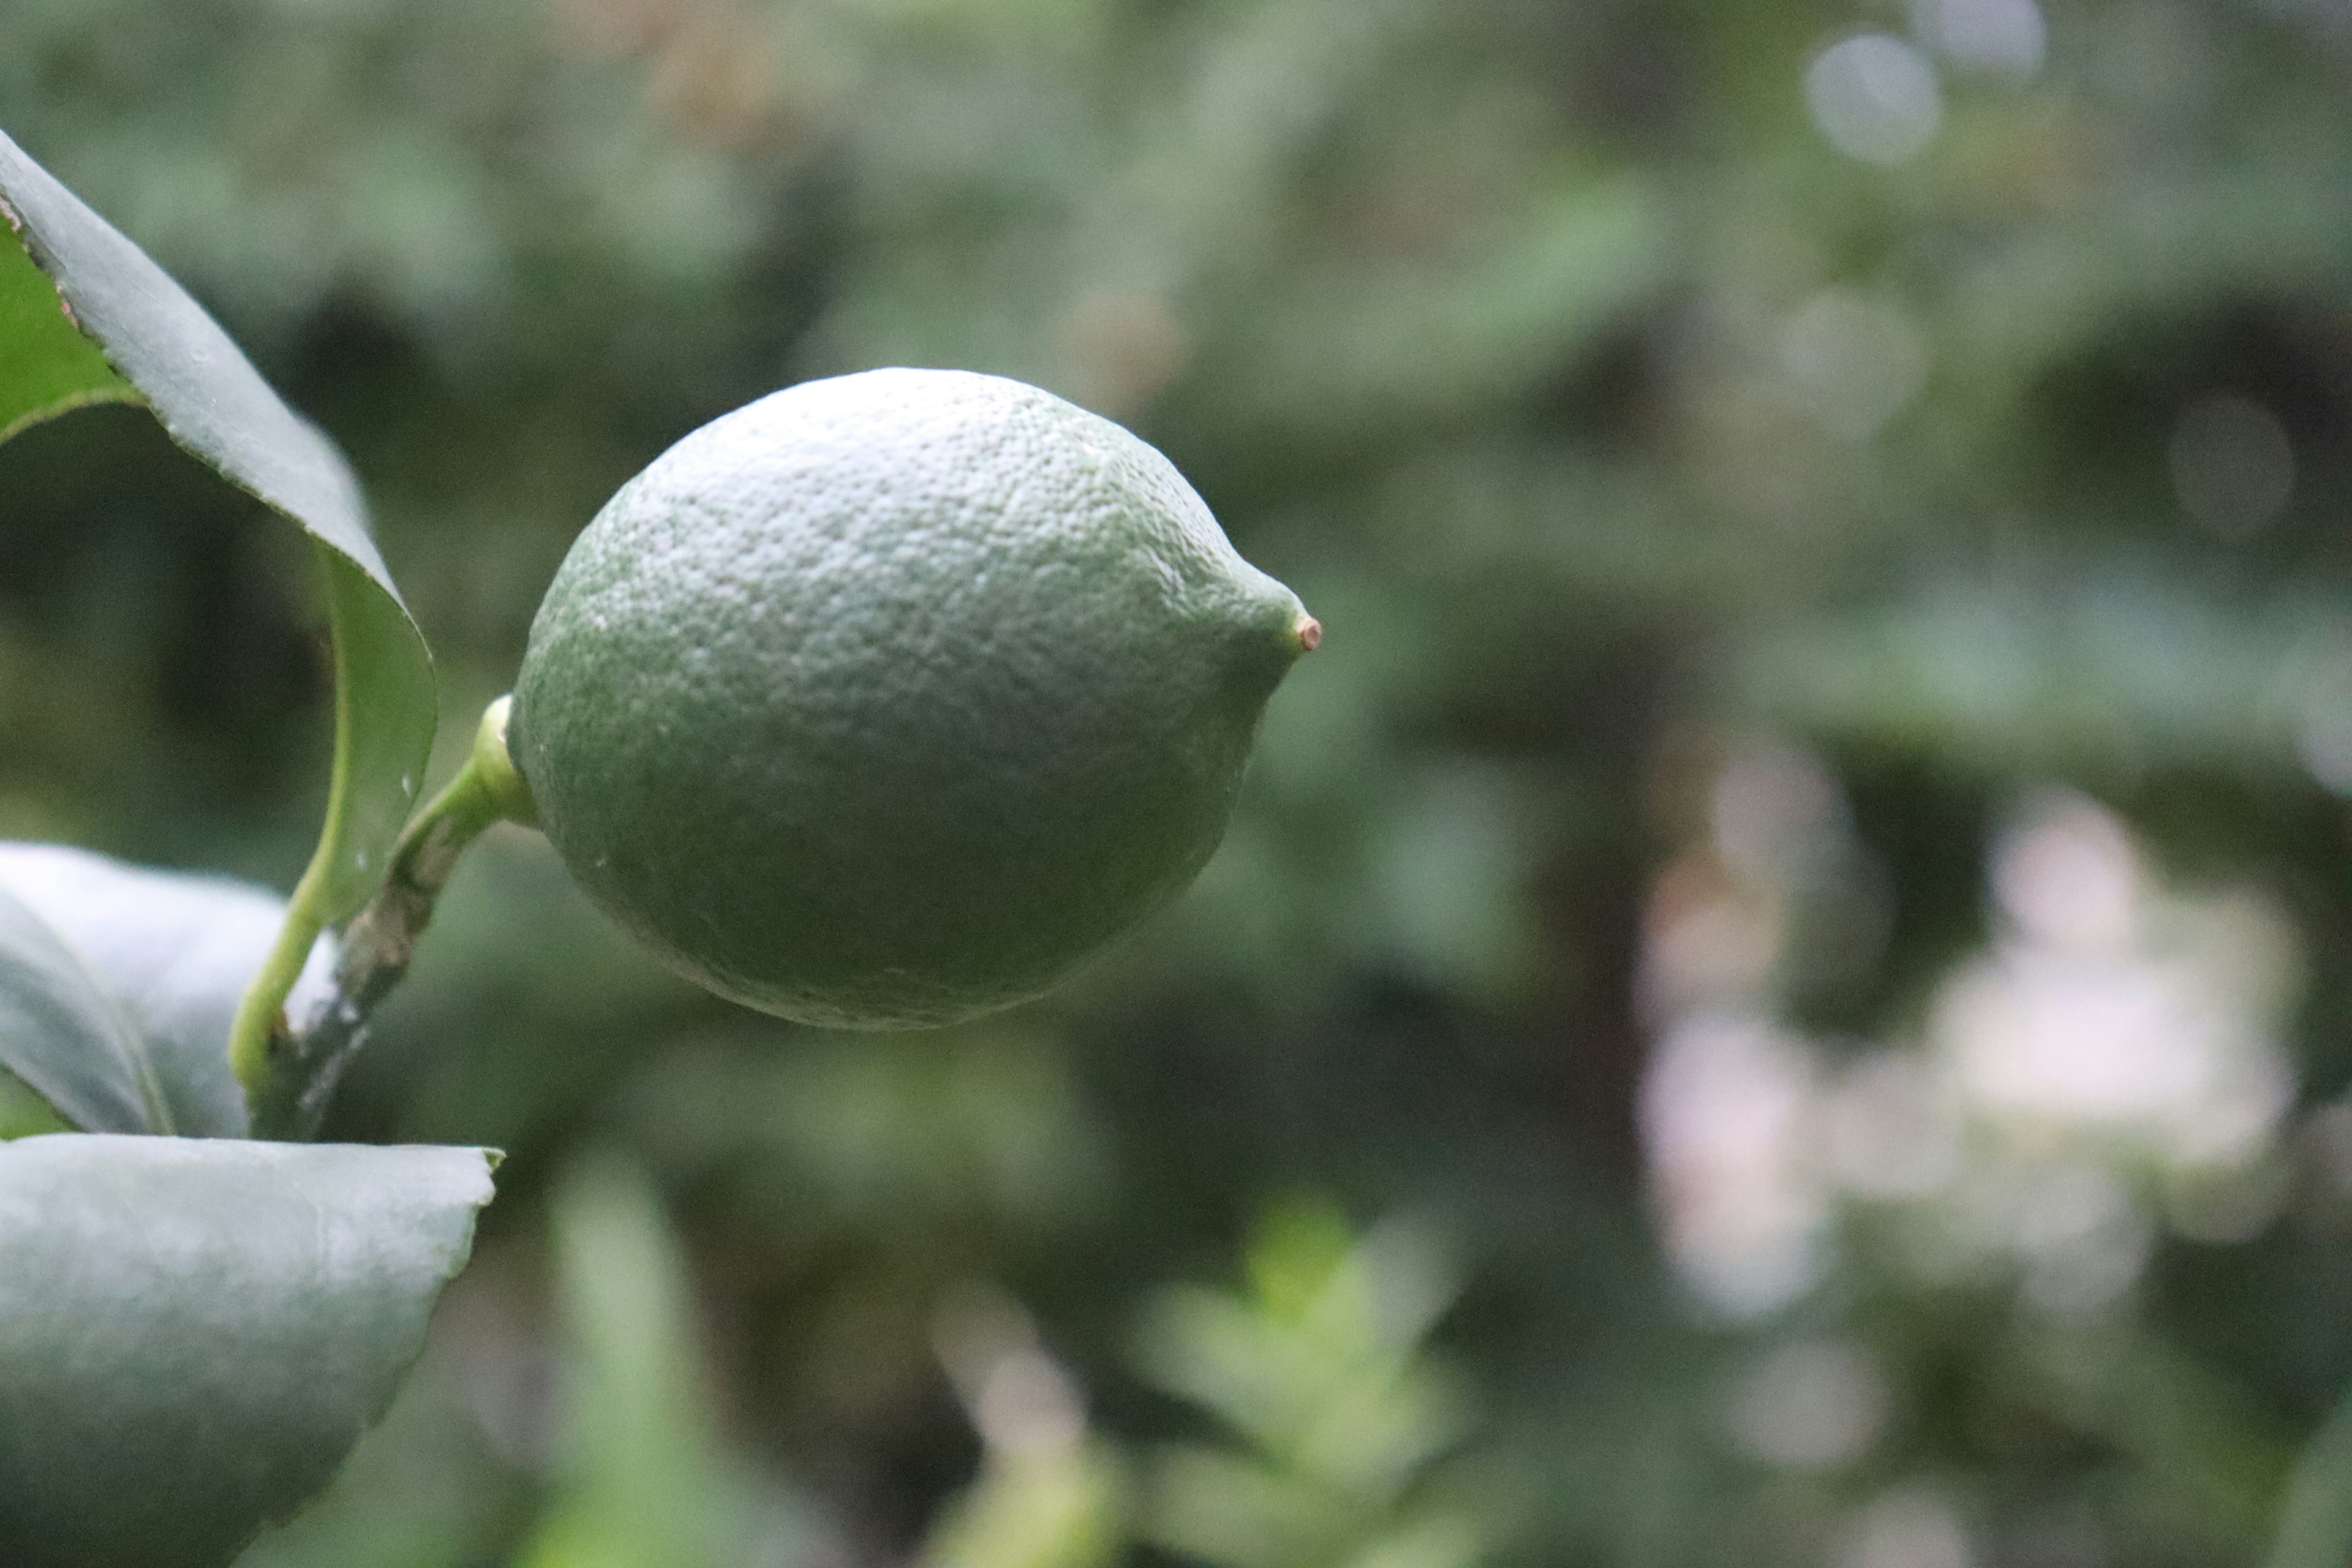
<point>1779,993</point>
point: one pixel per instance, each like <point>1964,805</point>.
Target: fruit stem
<point>301,1067</point>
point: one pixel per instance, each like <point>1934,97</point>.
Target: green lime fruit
<point>890,699</point>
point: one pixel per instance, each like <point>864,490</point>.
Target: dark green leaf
<point>192,1333</point>
<point>163,349</point>
<point>173,952</point>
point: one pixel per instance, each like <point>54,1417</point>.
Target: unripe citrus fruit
<point>889,699</point>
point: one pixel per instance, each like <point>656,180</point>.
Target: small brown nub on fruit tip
<point>1309,633</point>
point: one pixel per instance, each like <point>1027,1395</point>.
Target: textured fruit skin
<point>889,699</point>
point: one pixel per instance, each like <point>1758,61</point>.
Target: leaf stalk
<point>289,1071</point>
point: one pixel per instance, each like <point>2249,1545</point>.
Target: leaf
<point>22,1112</point>
<point>2314,1520</point>
<point>64,1033</point>
<point>1323,1371</point>
<point>429,1487</point>
<point>50,371</point>
<point>172,952</point>
<point>152,344</point>
<point>643,1479</point>
<point>193,1333</point>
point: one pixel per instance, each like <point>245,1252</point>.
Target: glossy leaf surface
<point>167,954</point>
<point>193,1333</point>
<point>65,1035</point>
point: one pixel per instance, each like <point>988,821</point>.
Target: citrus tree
<point>882,702</point>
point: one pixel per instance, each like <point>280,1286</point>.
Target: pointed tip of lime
<point>1308,631</point>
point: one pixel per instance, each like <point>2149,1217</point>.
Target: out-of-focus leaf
<point>647,1482</point>
<point>114,310</point>
<point>1238,1513</point>
<point>2314,1526</point>
<point>192,1333</point>
<point>1457,342</point>
<point>1321,1371</point>
<point>172,952</point>
<point>2074,674</point>
<point>2193,1432</point>
<point>62,1033</point>
<point>1058,1509</point>
<point>1049,1493</point>
<point>429,1487</point>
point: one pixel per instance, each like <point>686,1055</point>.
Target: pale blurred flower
<point>1891,1129</point>
<point>1724,1113</point>
<point>2112,1011</point>
<point>2067,875</point>
<point>2113,1057</point>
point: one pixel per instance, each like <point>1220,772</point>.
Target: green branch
<point>289,1071</point>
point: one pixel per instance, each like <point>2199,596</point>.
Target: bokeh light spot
<point>2001,37</point>
<point>1855,362</point>
<point>1811,1404</point>
<point>2233,466</point>
<point>1874,97</point>
<point>1908,1528</point>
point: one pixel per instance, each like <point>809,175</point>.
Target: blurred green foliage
<point>642,1477</point>
<point>1318,1372</point>
<point>1812,855</point>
